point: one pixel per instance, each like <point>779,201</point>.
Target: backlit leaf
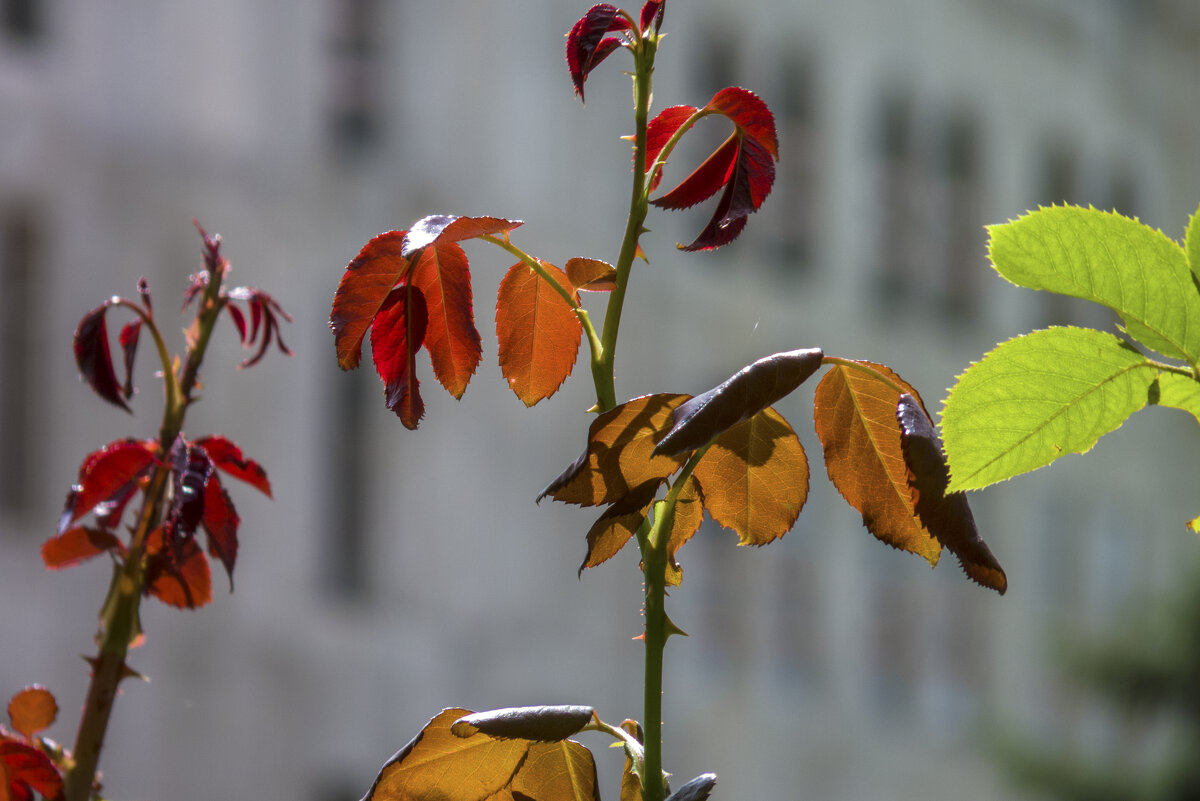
<point>439,765</point>
<point>619,453</point>
<point>265,314</point>
<point>538,332</point>
<point>618,524</point>
<point>855,416</point>
<point>443,229</point>
<point>396,336</point>
<point>754,478</point>
<point>76,545</point>
<point>542,723</point>
<point>1117,262</point>
<point>688,516</point>
<point>744,166</point>
<point>177,572</point>
<point>442,275</point>
<point>631,785</point>
<point>947,516</point>
<point>129,341</point>
<point>362,291</point>
<point>591,275</point>
<point>104,473</point>
<point>652,14</point>
<point>221,523</point>
<point>586,42</point>
<point>660,130</point>
<point>563,771</point>
<point>93,356</point>
<point>25,770</point>
<point>32,709</point>
<point>1191,245</point>
<point>1176,391</point>
<point>1038,397</point>
<point>228,458</point>
<point>744,394</point>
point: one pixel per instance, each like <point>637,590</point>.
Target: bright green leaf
<point>1037,397</point>
<point>1135,270</point>
<point>1178,392</point>
<point>1191,244</point>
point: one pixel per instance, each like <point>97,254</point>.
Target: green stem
<point>602,368</point>
<point>658,629</point>
<point>866,369</point>
<point>119,617</point>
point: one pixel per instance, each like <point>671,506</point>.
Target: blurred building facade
<point>396,573</point>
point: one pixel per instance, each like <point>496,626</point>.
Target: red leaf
<point>948,517</point>
<point>221,525</point>
<point>26,770</point>
<point>177,571</point>
<point>538,332</point>
<point>77,545</point>
<point>395,339</point>
<point>94,358</point>
<point>586,45</point>
<point>104,473</point>
<point>265,312</point>
<point>652,14</point>
<point>443,276</point>
<point>363,289</point>
<point>442,229</point>
<point>227,456</point>
<point>129,342</point>
<point>659,132</point>
<point>744,165</point>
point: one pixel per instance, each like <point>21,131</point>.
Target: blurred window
<point>20,244</point>
<point>793,208</point>
<point>344,557</point>
<point>355,70</point>
<point>22,19</point>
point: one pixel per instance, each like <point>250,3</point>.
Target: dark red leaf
<point>191,468</point>
<point>750,390</point>
<point>363,289</point>
<point>105,473</point>
<point>396,337</point>
<point>747,187</point>
<point>537,723</point>
<point>652,14</point>
<point>586,45</point>
<point>443,276</point>
<point>750,114</point>
<point>221,525</point>
<point>77,545</point>
<point>129,342</point>
<point>94,358</point>
<point>27,770</point>
<point>227,457</point>
<point>442,229</point>
<point>177,571</point>
<point>705,181</point>
<point>948,517</point>
<point>265,312</point>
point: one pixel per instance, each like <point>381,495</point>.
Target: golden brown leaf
<point>855,416</point>
<point>538,332</point>
<point>32,709</point>
<point>591,275</point>
<point>561,771</point>
<point>754,478</point>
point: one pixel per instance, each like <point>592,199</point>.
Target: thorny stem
<point>119,617</point>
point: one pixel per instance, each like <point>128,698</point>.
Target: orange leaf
<point>76,545</point>
<point>442,274</point>
<point>855,417</point>
<point>563,770</point>
<point>618,524</point>
<point>537,331</point>
<point>619,455</point>
<point>363,288</point>
<point>32,709</point>
<point>437,764</point>
<point>754,478</point>
<point>689,514</point>
<point>177,574</point>
<point>592,275</point>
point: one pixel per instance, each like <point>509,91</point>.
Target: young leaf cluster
<point>1056,391</point>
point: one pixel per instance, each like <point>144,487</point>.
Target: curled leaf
<point>753,388</point>
<point>947,516</point>
<point>93,356</point>
<point>698,789</point>
<point>539,723</point>
<point>591,275</point>
<point>652,14</point>
<point>443,229</point>
<point>587,45</point>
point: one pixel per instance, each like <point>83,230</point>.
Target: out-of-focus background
<point>396,573</point>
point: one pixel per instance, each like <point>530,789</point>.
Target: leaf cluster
<point>1058,390</point>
